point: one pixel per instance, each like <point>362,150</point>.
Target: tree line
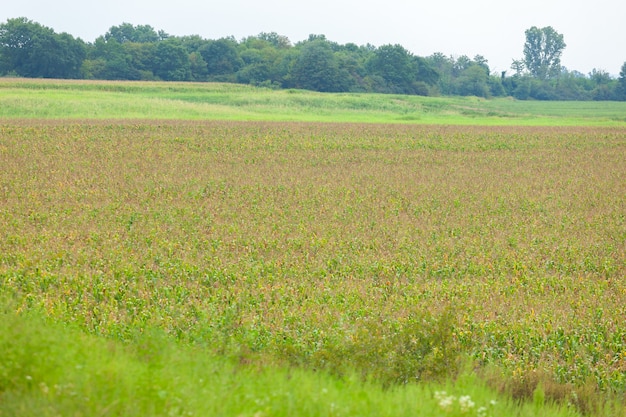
<point>129,52</point>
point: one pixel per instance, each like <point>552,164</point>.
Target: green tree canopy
<point>32,50</point>
<point>542,52</point>
<point>262,57</point>
<point>395,65</point>
<point>110,60</point>
<point>317,68</point>
<point>171,61</point>
<point>473,81</point>
<point>129,33</point>
<point>129,52</point>
<point>278,41</point>
<point>222,58</point>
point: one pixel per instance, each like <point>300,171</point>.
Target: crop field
<point>399,252</point>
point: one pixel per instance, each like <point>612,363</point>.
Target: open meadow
<point>362,268</point>
<point>61,99</point>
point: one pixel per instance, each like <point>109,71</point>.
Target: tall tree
<point>222,58</point>
<point>622,82</point>
<point>262,56</point>
<point>542,52</point>
<point>317,67</point>
<point>57,56</point>
<point>397,67</point>
<point>473,81</point>
<point>518,66</point>
<point>171,61</point>
<point>110,60</point>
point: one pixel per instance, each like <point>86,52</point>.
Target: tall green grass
<point>23,98</point>
<point>51,369</point>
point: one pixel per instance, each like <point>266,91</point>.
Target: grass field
<point>279,268</point>
<point>23,98</point>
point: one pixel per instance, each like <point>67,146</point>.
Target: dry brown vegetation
<point>395,250</point>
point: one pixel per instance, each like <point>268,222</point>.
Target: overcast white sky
<point>594,31</point>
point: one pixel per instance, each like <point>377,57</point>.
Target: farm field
<point>417,258</point>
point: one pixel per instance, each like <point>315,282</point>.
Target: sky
<point>592,30</point>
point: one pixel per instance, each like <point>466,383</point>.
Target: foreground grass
<point>48,369</point>
<point>25,98</point>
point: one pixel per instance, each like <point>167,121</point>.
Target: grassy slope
<point>21,98</point>
<point>51,369</point>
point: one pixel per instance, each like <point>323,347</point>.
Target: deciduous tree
<point>172,61</point>
<point>395,65</point>
<point>222,58</point>
<point>317,68</point>
<point>542,52</point>
<point>32,50</point>
<point>622,82</point>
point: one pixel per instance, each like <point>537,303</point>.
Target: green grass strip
<point>55,99</point>
<point>50,369</point>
